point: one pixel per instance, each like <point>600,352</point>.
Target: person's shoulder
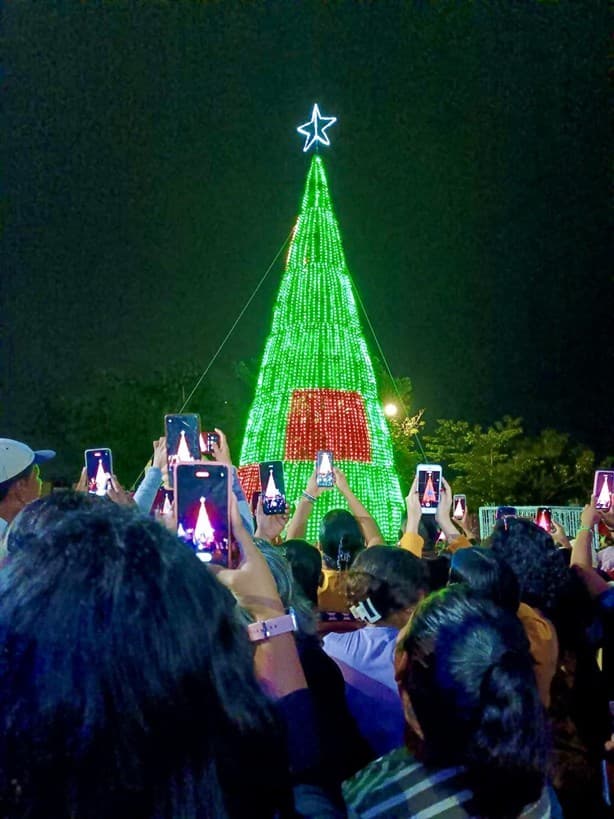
<point>372,790</point>
<point>534,620</point>
<point>397,784</point>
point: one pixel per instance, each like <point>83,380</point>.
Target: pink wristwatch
<point>265,629</point>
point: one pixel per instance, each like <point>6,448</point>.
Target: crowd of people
<point>349,677</point>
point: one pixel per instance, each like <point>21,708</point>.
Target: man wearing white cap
<point>19,477</point>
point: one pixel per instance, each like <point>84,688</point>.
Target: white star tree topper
<point>314,131</point>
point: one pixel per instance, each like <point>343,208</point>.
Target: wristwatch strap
<point>265,629</point>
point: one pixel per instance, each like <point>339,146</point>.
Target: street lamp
<point>390,409</point>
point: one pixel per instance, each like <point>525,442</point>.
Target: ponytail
<point>344,556</point>
<point>504,762</point>
<point>472,686</point>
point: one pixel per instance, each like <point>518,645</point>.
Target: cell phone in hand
<point>603,489</point>
<point>505,512</point>
<point>459,507</point>
<point>99,466</point>
<point>429,487</point>
<point>201,497</point>
<point>543,518</point>
<point>163,502</point>
<point>182,440</point>
<point>273,487</point>
<point>207,439</point>
<point>325,476</point>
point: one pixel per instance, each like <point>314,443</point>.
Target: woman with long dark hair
<point>127,684</point>
<point>466,679</point>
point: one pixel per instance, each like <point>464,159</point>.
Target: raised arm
<point>444,519</point>
<point>410,539</point>
<point>581,549</point>
<point>373,536</point>
<point>276,660</point>
<point>297,525</point>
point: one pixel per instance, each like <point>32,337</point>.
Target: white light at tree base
<point>314,131</point>
<point>391,410</point>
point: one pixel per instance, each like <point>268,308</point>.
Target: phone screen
<point>543,518</point>
<point>182,440</point>
<point>324,468</point>
<point>273,487</point>
<point>505,512</point>
<point>603,488</point>
<point>201,495</point>
<point>99,465</point>
<point>163,502</point>
<point>206,441</point>
<point>459,507</point>
<point>429,487</point>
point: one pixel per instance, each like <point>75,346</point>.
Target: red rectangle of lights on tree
<point>327,419</point>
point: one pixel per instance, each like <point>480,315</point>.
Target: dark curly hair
<point>535,560</point>
<point>487,575</point>
<point>471,683</point>
<point>392,578</point>
<point>126,677</point>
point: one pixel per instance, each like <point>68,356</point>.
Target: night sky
<point>151,170</point>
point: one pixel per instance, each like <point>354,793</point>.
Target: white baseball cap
<point>15,457</point>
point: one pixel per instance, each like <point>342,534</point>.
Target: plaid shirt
<point>396,786</point>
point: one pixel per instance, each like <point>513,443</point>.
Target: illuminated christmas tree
<point>203,531</point>
<point>429,496</point>
<point>271,488</point>
<point>102,479</point>
<point>183,450</point>
<point>316,388</point>
<point>458,509</point>
<point>604,495</point>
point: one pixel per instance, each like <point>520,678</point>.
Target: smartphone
<point>603,488</point>
<point>99,465</point>
<point>273,487</point>
<point>459,506</point>
<point>163,502</point>
<point>206,440</point>
<point>429,487</point>
<point>543,518</point>
<point>254,503</point>
<point>505,512</point>
<point>182,440</point>
<point>324,468</point>
<point>201,498</point>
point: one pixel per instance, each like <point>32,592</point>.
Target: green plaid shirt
<point>397,786</point>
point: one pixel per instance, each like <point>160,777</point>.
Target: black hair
<point>45,513</point>
<point>392,578</point>
<point>306,565</point>
<point>126,678</point>
<point>487,575</point>
<point>341,538</point>
<point>534,558</point>
<point>23,475</point>
<point>472,687</point>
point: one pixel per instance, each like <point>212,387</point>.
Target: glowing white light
<point>315,130</point>
<point>391,410</point>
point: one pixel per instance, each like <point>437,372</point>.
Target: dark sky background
<point>151,170</point>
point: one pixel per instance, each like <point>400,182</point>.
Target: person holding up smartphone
<point>414,542</point>
<point>174,644</point>
<point>342,535</point>
<point>297,526</point>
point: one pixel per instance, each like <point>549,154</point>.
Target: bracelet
<point>309,497</point>
<point>584,529</point>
